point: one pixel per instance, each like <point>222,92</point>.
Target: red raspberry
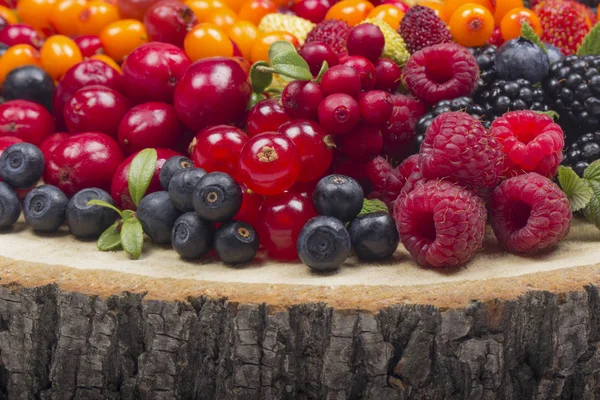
<point>441,224</point>
<point>399,131</point>
<point>441,72</point>
<point>529,213</point>
<point>414,180</point>
<point>387,182</point>
<point>421,27</point>
<point>532,142</point>
<point>457,146</point>
<point>408,166</point>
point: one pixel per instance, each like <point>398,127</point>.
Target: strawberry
<point>565,23</point>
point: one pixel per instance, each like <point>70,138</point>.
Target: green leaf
<point>578,193</point>
<point>260,78</point>
<point>591,43</point>
<point>591,212</point>
<point>281,46</point>
<point>141,172</point>
<point>373,206</point>
<point>552,114</point>
<point>254,98</point>
<point>132,237</point>
<point>324,68</point>
<point>128,214</point>
<point>101,203</point>
<point>291,65</point>
<point>528,33</point>
<point>111,238</point>
<point>592,172</point>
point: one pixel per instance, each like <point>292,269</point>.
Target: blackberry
<point>503,96</point>
<point>486,59</point>
<point>583,152</point>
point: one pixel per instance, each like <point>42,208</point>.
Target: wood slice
<point>76,323</point>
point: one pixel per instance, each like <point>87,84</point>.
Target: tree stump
<point>76,323</point>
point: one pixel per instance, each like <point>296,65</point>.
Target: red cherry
<point>119,187</point>
<point>213,91</point>
<point>341,79</point>
<point>26,120</point>
<point>134,9</point>
<point>267,115</point>
<point>96,108</point>
<point>89,45</point>
<point>218,148</point>
<point>152,71</point>
<point>6,142</point>
<point>83,161</point>
<point>151,124</point>
<point>316,53</point>
<point>388,75</point>
<point>21,34</point>
<point>251,203</point>
<point>313,10</point>
<point>301,99</point>
<point>364,68</point>
<point>169,21</point>
<point>52,142</point>
<point>314,145</point>
<point>279,222</point>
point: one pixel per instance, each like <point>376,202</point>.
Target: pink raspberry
<point>529,213</point>
<point>387,182</point>
<point>441,224</point>
<point>407,167</point>
<point>441,72</point>
<point>399,131</point>
<point>532,142</point>
<point>458,147</point>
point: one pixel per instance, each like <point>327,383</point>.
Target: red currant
<point>301,99</point>
<point>339,113</point>
<point>363,143</point>
<point>364,68</point>
<point>90,45</point>
<point>388,75</point>
<point>340,79</point>
<point>218,148</point>
<point>315,53</point>
<point>266,116</point>
<point>251,203</point>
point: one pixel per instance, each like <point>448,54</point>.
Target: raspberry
<point>408,166</point>
<point>441,224</point>
<point>399,131</point>
<point>387,182</point>
<point>529,213</point>
<point>421,27</point>
<point>332,32</point>
<point>441,72</point>
<point>457,146</point>
<point>531,142</point>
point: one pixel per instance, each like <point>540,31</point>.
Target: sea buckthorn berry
<point>63,15</point>
<point>471,25</point>
<point>18,56</point>
<point>260,48</point>
<point>201,8</point>
<point>58,54</point>
<point>435,6</point>
<point>222,17</point>
<point>8,15</point>
<point>122,37</point>
<point>350,11</point>
<point>388,13</point>
<point>243,34</point>
<point>450,6</point>
<point>503,7</point>
<point>207,40</point>
<point>255,10</point>
<point>235,5</point>
<point>106,59</point>
<point>36,13</point>
<point>95,16</point>
<point>510,27</point>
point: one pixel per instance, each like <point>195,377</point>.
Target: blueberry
<point>10,206</point>
<point>192,237</point>
<point>217,197</point>
<point>89,221</point>
<point>338,196</point>
<point>554,53</point>
<point>171,167</point>
<point>45,208</point>
<point>323,244</point>
<point>29,83</point>
<point>236,242</point>
<point>521,58</point>
<point>158,214</point>
<point>182,185</point>
<point>374,236</point>
<point>22,165</point>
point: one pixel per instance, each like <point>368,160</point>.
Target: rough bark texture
<point>62,345</point>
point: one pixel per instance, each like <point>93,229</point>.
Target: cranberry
<point>339,113</point>
<point>340,79</point>
<point>267,115</point>
<point>314,145</point>
<point>169,21</point>
<point>279,222</point>
<point>89,45</point>
<point>363,143</point>
<point>21,34</point>
<point>96,108</point>
<point>47,147</point>
<point>26,120</point>
<point>301,99</point>
<point>218,148</point>
<point>364,68</point>
<point>315,53</point>
<point>375,107</point>
<point>134,9</point>
<point>366,40</point>
<point>213,91</point>
<point>388,75</point>
<point>245,64</point>
<point>6,142</point>
<point>119,187</point>
<point>152,71</point>
<point>269,163</point>
<point>398,4</point>
<point>251,203</point>
<point>83,161</point>
<point>313,10</point>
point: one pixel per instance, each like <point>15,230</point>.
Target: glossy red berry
<point>341,79</point>
<point>25,120</point>
<point>364,68</point>
<point>301,99</point>
<point>269,163</point>
<point>251,203</point>
<point>218,148</point>
<point>90,45</point>
<point>316,53</point>
<point>266,116</point>
<point>339,114</point>
<point>312,10</point>
<point>169,21</point>
<point>21,34</point>
<point>388,75</point>
<point>363,143</point>
<point>47,147</point>
<point>134,8</point>
<point>375,107</point>
<point>366,40</point>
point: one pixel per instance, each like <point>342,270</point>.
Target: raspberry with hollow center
<point>441,224</point>
<point>529,213</point>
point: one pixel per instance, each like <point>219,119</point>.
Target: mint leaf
<point>281,46</point>
<point>132,237</point>
<point>110,238</point>
<point>141,172</point>
<point>592,173</point>
<point>552,114</point>
<point>291,65</point>
<point>578,193</point>
<point>324,68</point>
<point>373,206</point>
<point>528,33</point>
<point>101,203</point>
<point>259,77</point>
<point>591,43</point>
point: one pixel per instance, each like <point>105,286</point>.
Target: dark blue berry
<point>22,165</point>
<point>182,185</point>
<point>217,197</point>
<point>374,236</point>
<point>192,237</point>
<point>236,242</point>
<point>45,208</point>
<point>323,243</point>
<point>158,214</point>
<point>29,83</point>
<point>10,206</point>
<point>89,221</point>
<point>521,58</point>
<point>171,167</point>
<point>338,196</point>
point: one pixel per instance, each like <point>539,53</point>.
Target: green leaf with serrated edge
<point>141,172</point>
<point>528,33</point>
<point>290,64</point>
<point>260,79</point>
<point>324,68</point>
<point>110,239</point>
<point>591,212</point>
<point>101,203</point>
<point>281,46</point>
<point>592,172</point>
<point>578,193</point>
<point>591,43</point>
<point>128,214</point>
<point>552,114</point>
<point>371,206</point>
<point>132,237</point>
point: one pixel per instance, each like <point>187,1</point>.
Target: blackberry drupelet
<point>486,59</point>
<point>583,152</point>
<point>503,96</point>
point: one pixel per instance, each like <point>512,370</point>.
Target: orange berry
<point>254,10</point>
<point>260,48</point>
<point>107,60</point>
<point>207,40</point>
<point>63,15</point>
<point>58,54</point>
<point>351,11</point>
<point>503,7</point>
<point>222,17</point>
<point>36,13</point>
<point>122,37</point>
<point>388,13</point>
<point>450,6</point>
<point>435,6</point>
<point>8,15</point>
<point>235,5</point>
<point>243,33</point>
<point>95,16</point>
<point>510,27</point>
<point>202,8</point>
<point>471,25</point>
<point>18,56</point>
